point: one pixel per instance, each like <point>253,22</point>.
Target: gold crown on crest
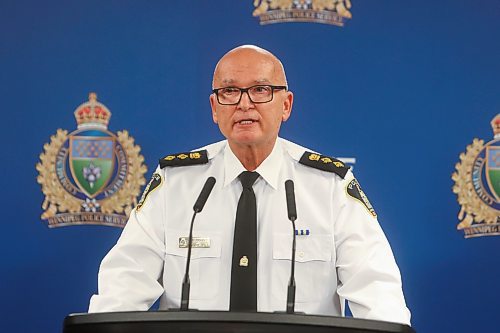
<point>495,125</point>
<point>92,113</point>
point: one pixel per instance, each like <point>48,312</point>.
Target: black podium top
<point>223,322</point>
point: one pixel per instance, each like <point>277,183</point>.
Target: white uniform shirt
<point>345,256</point>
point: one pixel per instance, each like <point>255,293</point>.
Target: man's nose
<point>245,101</point>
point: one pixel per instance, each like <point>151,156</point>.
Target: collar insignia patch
<point>184,159</point>
<point>355,191</point>
<point>324,163</point>
<point>477,186</point>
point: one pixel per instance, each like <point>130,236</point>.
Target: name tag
<point>197,242</point>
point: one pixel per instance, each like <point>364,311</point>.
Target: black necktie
<point>244,264</point>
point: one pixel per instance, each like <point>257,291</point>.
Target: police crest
<point>477,185</point>
<point>91,175</point>
<point>334,12</point>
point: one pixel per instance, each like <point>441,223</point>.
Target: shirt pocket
<point>204,269</point>
<point>315,275</point>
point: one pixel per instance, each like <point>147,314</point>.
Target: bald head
<point>251,126</point>
<point>244,56</point>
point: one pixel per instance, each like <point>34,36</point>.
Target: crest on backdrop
<point>477,185</point>
<point>91,175</point>
<point>335,12</point>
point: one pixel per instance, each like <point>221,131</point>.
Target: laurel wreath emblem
<point>58,200</point>
<point>473,208</point>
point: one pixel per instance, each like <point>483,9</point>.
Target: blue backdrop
<point>403,88</point>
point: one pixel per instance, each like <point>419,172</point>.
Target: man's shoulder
<point>192,157</point>
<point>214,149</point>
<point>313,159</point>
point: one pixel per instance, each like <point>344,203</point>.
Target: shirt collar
<point>269,169</point>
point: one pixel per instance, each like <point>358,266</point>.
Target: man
<point>342,253</point>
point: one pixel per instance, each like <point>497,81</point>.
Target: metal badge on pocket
<point>198,242</point>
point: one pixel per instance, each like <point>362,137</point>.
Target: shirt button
<point>301,254</point>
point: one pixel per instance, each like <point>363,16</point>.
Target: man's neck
<point>251,156</point>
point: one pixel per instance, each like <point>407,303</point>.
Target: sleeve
<point>369,278</point>
<point>129,273</point>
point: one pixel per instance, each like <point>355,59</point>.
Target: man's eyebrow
<point>228,81</point>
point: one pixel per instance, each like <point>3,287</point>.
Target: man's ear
<point>287,106</point>
<point>213,101</point>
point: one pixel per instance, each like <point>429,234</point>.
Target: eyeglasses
<point>256,94</point>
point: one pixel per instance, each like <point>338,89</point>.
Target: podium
<point>222,322</point>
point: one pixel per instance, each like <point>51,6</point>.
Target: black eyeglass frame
<point>245,90</point>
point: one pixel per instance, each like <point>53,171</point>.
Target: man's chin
<point>250,140</point>
<point>245,134</point>
<point>246,139</point>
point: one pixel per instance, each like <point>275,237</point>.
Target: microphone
<point>290,201</point>
<point>198,207</point>
<point>292,216</point>
<point>205,192</point>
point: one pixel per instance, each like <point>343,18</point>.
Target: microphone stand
<point>186,284</point>
<point>292,216</point>
<point>198,206</point>
<point>290,297</point>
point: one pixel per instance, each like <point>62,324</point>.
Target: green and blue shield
<point>91,161</point>
<point>493,170</point>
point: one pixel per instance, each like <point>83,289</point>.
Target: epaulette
<point>324,163</point>
<point>184,159</point>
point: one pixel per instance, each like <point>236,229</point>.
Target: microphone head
<point>205,192</point>
<point>290,200</point>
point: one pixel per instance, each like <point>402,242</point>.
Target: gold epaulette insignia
<point>184,159</point>
<point>324,163</point>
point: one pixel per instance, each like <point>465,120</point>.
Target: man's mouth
<point>246,122</point>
